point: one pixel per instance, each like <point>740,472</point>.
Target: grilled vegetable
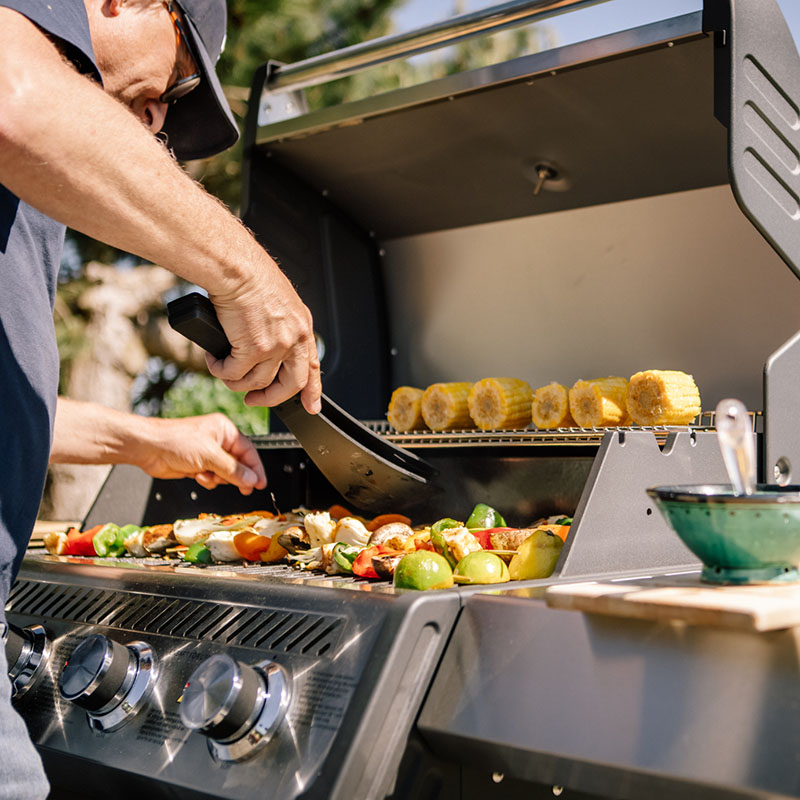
<point>294,540</point>
<point>599,403</point>
<point>109,541</point>
<point>385,564</point>
<point>394,535</point>
<point>405,409</point>
<point>439,541</point>
<point>157,538</point>
<point>537,556</point>
<point>550,407</point>
<point>445,406</point>
<point>481,567</point>
<point>134,540</point>
<point>663,397</point>
<point>484,516</point>
<point>496,403</point>
<point>386,519</point>
<point>197,553</point>
<point>222,546</point>
<point>423,570</point>
<point>344,555</point>
<point>351,531</point>
<point>362,565</point>
<point>319,527</point>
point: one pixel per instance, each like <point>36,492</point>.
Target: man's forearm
<point>88,433</point>
<point>82,158</point>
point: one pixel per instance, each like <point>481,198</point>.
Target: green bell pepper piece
<point>344,555</point>
<point>484,516</point>
<point>197,553</point>
<point>109,541</point>
<point>439,542</point>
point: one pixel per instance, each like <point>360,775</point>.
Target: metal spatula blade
<point>369,472</point>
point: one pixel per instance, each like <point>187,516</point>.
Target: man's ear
<point>112,8</point>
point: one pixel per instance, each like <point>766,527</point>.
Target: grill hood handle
<point>367,470</point>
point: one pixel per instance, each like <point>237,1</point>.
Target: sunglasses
<point>182,86</point>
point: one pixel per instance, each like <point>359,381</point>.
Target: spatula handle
<point>194,317</point>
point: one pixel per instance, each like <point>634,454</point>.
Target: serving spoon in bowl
<point>735,434</point>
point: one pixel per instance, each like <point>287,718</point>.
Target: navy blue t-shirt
<point>30,254</point>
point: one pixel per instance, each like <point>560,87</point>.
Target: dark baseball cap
<point>201,124</point>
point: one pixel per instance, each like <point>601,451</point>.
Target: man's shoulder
<point>65,20</point>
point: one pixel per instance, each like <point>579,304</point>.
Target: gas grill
<point>246,681</point>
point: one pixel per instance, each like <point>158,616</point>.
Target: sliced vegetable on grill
<point>362,564</point>
<point>351,531</point>
<point>550,407</point>
<point>385,564</point>
<point>599,403</point>
<point>405,409</point>
<point>393,534</point>
<point>109,541</point>
<point>484,516</point>
<point>157,538</point>
<point>663,397</point>
<point>386,519</point>
<point>222,546</point>
<point>497,403</point>
<point>423,570</point>
<point>134,540</point>
<point>439,541</point>
<point>320,527</point>
<point>536,557</point>
<point>445,406</point>
<point>344,555</point>
<point>198,553</point>
<point>481,567</point>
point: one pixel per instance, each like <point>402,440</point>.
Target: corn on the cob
<point>663,397</point>
<point>496,403</point>
<point>550,407</point>
<point>405,409</point>
<point>599,403</point>
<point>445,406</point>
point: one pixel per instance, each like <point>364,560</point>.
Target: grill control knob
<point>238,707</point>
<point>108,679</point>
<point>27,651</point>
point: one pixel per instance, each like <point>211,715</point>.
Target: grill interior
<point>278,630</point>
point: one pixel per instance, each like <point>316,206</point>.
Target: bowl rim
<point>722,493</point>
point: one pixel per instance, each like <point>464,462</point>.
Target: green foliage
<point>194,394</point>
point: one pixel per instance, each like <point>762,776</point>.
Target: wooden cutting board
<point>685,598</point>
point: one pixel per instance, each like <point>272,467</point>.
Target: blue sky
<point>578,25</point>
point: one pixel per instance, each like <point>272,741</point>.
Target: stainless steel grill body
<point>358,667</point>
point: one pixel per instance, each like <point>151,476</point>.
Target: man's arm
<point>209,449</point>
<point>83,159</point>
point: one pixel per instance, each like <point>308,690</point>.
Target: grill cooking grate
<point>278,630</point>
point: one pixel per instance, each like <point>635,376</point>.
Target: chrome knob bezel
<point>277,696</point>
<point>27,669</point>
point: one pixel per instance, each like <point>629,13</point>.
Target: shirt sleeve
<point>66,21</point>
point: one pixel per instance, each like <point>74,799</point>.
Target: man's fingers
<point>243,450</point>
<point>312,391</point>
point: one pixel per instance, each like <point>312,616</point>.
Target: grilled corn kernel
<point>550,407</point>
<point>405,409</point>
<point>663,397</point>
<point>599,403</point>
<point>445,406</point>
<point>496,403</point>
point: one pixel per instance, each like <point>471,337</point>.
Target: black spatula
<point>369,472</point>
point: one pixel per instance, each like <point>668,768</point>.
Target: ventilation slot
<point>263,628</point>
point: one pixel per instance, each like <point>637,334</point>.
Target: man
<point>72,154</point>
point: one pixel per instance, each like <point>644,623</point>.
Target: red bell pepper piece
<point>80,544</point>
<point>484,536</point>
<point>362,566</point>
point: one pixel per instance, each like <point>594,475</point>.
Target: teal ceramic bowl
<point>739,538</point>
